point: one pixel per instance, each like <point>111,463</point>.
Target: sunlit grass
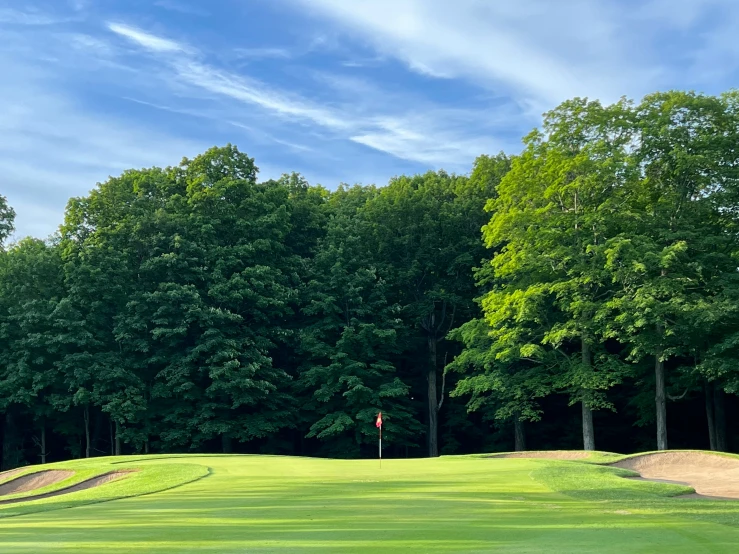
<point>452,504</point>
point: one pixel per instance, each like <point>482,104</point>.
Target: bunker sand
<point>34,481</point>
<point>712,476</point>
<point>84,485</point>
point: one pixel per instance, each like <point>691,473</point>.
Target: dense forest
<point>582,293</point>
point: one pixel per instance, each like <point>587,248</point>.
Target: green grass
<point>260,504</point>
<point>146,479</point>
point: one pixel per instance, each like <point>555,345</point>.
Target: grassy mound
<point>140,481</point>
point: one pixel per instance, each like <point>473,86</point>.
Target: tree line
<point>560,297</point>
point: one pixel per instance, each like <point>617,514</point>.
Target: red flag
<point>378,423</point>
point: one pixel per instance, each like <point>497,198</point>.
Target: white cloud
<point>521,58</point>
<point>54,145</point>
<point>369,116</point>
<point>434,137</point>
<point>542,50</point>
<point>189,70</point>
<point>253,92</point>
<point>146,40</point>
<point>488,42</point>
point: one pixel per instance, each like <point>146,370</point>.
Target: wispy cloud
<point>148,41</point>
<point>433,139</point>
<point>545,51</point>
<point>85,100</point>
<point>344,91</point>
<point>188,69</point>
<point>253,92</point>
<point>481,41</point>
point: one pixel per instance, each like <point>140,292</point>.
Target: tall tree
<point>31,286</point>
<point>505,373</point>
<point>351,340</point>
<point>673,261</point>
<point>552,218</point>
<point>425,231</point>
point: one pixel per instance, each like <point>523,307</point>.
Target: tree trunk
<point>433,426</point>
<point>708,389</point>
<point>96,430</point>
<point>588,431</point>
<point>519,435</point>
<point>659,400</point>
<point>146,445</point>
<point>117,439</point>
<point>87,432</point>
<point>43,443</point>
<point>226,443</point>
<point>112,438</point>
<point>8,440</point>
<point>719,417</point>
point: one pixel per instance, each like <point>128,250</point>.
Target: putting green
<point>259,504</point>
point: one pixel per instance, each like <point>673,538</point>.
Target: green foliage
<point>352,337</point>
<point>195,308</point>
<point>424,233</point>
<point>611,230</point>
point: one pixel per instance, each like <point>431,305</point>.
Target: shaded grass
<point>601,484</point>
<point>610,486</point>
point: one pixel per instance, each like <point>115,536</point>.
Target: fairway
<point>238,503</point>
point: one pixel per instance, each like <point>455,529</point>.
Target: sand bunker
<point>34,481</point>
<point>709,474</point>
<point>84,485</point>
<point>551,455</point>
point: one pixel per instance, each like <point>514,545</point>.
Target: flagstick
<point>380,446</point>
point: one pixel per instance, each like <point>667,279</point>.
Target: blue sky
<point>352,91</point>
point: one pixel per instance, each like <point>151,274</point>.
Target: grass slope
<point>146,480</point>
<point>261,504</point>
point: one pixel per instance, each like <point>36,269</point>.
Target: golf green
<point>255,504</point>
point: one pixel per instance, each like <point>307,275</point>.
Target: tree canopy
<point>560,297</point>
